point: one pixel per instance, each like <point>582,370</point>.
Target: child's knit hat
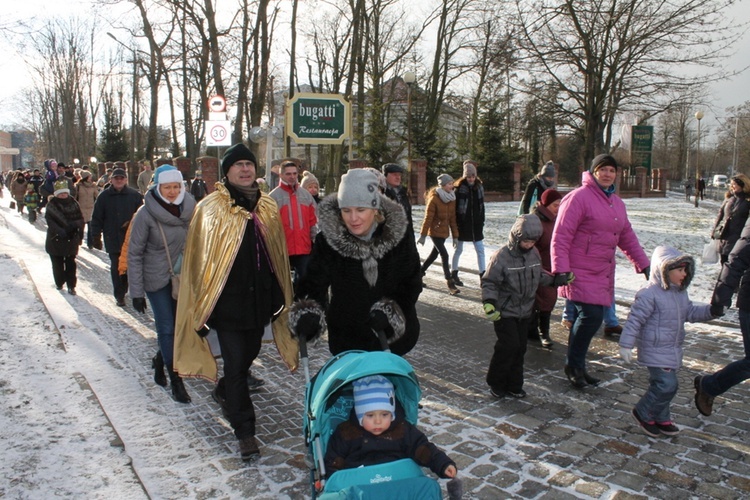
<point>373,393</point>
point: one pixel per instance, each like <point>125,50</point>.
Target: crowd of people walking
<point>244,255</point>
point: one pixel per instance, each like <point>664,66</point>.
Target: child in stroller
<point>331,423</point>
<point>374,435</point>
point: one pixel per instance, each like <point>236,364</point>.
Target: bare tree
<point>606,56</point>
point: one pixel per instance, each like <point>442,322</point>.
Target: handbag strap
<point>166,247</point>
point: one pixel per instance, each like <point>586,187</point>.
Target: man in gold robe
<point>235,279</point>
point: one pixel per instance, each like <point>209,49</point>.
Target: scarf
<point>445,196</point>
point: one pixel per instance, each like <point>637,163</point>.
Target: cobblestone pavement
<point>558,442</point>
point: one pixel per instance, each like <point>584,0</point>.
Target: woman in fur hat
<point>365,256</point>
<point>64,235</point>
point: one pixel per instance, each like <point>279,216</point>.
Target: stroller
<point>329,401</point>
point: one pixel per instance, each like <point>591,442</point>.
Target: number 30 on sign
<point>218,133</point>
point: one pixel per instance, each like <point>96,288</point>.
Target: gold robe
<point>213,240</point>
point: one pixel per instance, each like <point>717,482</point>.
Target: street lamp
<point>699,117</point>
<point>135,94</point>
<point>409,78</point>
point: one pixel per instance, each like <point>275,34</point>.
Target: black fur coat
<point>64,226</point>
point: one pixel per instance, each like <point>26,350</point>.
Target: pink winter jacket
<point>589,227</point>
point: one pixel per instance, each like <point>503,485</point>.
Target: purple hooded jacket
<point>589,227</point>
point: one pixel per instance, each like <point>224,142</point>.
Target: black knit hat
<point>234,154</point>
<point>602,160</point>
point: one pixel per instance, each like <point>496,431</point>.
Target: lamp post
<point>699,117</point>
<point>409,78</point>
<point>135,96</point>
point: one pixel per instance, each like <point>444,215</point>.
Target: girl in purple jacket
<point>591,224</point>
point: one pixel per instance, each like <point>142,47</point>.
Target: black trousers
<point>506,366</point>
<point>239,349</point>
<point>118,286</point>
<point>64,270</point>
<point>438,249</point>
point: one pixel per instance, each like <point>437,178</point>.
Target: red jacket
<point>297,210</point>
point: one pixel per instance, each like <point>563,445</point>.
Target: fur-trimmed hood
<point>665,258</point>
<point>387,235</point>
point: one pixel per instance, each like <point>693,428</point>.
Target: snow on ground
<point>57,439</point>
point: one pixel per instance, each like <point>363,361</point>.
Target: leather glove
<point>379,321</point>
<point>422,239</point>
<point>562,279</point>
<point>717,311</point>
<point>626,354</point>
<point>308,326</point>
<point>203,332</point>
<point>647,272</point>
<point>490,312</point>
<point>96,242</point>
<point>139,304</point>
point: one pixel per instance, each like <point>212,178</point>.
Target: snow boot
<point>546,341</point>
<point>157,363</point>
<point>452,287</point>
<point>179,393</point>
<point>456,280</point>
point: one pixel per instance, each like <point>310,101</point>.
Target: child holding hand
<point>656,326</point>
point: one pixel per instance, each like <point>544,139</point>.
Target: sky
<point>726,93</point>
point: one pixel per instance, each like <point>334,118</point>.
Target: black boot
<point>452,287</point>
<point>456,280</point>
<point>546,341</point>
<point>179,393</point>
<point>157,363</point>
<point>590,380</point>
<point>576,377</point>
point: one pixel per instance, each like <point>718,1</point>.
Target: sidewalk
<point>557,443</point>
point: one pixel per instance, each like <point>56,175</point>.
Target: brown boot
<point>452,287</point>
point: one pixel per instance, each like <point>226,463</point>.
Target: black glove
<point>203,332</point>
<point>308,326</point>
<point>96,242</point>
<point>139,304</point>
<point>379,321</point>
<point>562,279</point>
<point>647,272</point>
<point>717,311</point>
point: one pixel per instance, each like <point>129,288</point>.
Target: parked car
<point>719,181</point>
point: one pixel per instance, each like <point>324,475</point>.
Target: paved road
<point>557,443</point>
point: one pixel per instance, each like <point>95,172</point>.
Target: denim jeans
<point>588,319</point>
<point>735,372</point>
<point>164,308</point>
<point>478,247</point>
<point>610,317</point>
<point>662,387</point>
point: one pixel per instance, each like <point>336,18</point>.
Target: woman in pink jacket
<point>591,224</point>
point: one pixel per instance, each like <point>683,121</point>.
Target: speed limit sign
<point>218,133</point>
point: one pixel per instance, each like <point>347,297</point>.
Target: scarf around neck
<point>445,196</point>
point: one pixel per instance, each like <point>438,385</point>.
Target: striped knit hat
<point>373,393</point>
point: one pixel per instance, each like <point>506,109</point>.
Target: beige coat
<point>86,196</point>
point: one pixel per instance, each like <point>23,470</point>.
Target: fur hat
<point>444,179</point>
<point>61,187</point>
<point>548,170</point>
<point>308,179</point>
<point>373,393</point>
<point>359,188</point>
<point>602,161</point>
<point>550,195</point>
<point>234,154</point>
<point>470,169</point>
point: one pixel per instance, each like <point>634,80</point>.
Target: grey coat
<point>514,275</point>
<point>148,270</point>
<point>656,324</point>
